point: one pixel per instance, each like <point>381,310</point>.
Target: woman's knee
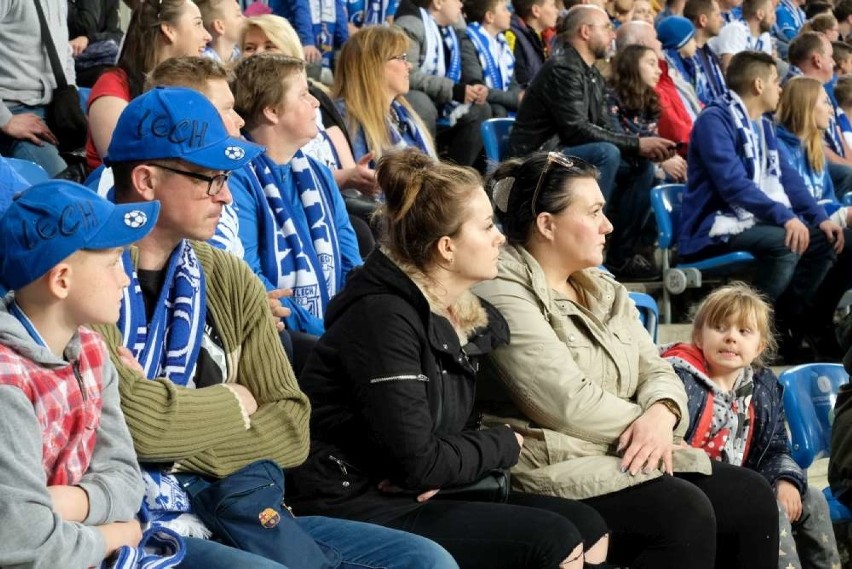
<point>597,553</point>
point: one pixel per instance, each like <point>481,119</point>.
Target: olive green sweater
<point>203,430</point>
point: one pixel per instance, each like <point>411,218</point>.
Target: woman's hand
<point>386,486</point>
<point>648,440</point>
<point>790,499</point>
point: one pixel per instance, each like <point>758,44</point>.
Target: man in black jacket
<point>564,109</point>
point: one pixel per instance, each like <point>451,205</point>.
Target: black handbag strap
<point>55,64</point>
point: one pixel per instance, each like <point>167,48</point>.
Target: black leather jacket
<point>564,106</point>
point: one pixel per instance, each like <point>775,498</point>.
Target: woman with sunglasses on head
<point>392,385</point>
<point>601,413</point>
<point>158,30</point>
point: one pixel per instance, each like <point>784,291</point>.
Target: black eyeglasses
<point>401,57</point>
<point>214,183</point>
<point>573,164</point>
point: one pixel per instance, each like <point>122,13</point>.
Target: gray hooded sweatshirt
<point>31,534</point>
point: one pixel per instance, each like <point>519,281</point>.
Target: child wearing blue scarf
<point>487,56</point>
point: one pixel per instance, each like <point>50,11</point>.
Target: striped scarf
<point>369,12</point>
<point>433,61</point>
<point>324,21</point>
<point>299,252</point>
<point>160,548</point>
<point>497,60</point>
<point>709,80</point>
<point>762,161</point>
<point>407,130</point>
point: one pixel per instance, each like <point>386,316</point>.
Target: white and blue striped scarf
<point>160,548</point>
<point>167,346</point>
<point>324,21</point>
<point>709,80</point>
<point>763,166</point>
<point>284,245</point>
<point>433,62</point>
<point>497,60</point>
<point>409,127</point>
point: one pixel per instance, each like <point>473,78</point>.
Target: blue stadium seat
<point>810,391</point>
<point>648,312</point>
<point>29,171</point>
<point>84,93</point>
<point>666,202</point>
<point>495,138</point>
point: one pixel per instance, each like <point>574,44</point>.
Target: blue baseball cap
<point>48,222</point>
<point>177,123</point>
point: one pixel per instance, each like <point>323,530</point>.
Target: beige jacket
<point>572,380</point>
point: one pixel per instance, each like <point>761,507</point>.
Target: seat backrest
<point>666,202</point>
<point>649,314</point>
<point>495,138</point>
<point>810,391</point>
<point>29,171</point>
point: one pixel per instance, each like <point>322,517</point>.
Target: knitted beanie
<point>674,32</point>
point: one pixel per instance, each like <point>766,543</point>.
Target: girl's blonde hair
<point>359,79</point>
<point>278,31</point>
<point>796,113</point>
<point>738,304</point>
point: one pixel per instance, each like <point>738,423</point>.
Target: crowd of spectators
<point>288,259</point>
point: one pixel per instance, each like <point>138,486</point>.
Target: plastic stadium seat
<point>29,171</point>
<point>847,198</point>
<point>83,93</point>
<point>666,202</point>
<point>648,312</point>
<point>495,138</point>
<point>810,391</point>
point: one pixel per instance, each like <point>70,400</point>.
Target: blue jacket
<point>718,180</point>
<point>769,453</point>
<point>819,184</point>
<point>298,13</point>
<point>529,51</point>
<point>251,216</point>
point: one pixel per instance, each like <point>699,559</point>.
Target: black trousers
<point>530,532</point>
<point>689,521</point>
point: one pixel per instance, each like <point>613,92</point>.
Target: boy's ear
<point>144,179</point>
<point>218,26</point>
<point>489,17</point>
<point>58,280</point>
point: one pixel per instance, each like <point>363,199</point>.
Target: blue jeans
<point>206,554</point>
<point>47,155</point>
<point>841,177</point>
<point>363,545</point>
<point>626,187</point>
<point>781,274</point>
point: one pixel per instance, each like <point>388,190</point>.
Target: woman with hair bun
<point>393,379</point>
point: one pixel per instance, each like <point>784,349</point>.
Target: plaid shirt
<point>67,403</point>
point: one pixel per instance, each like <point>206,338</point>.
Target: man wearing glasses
<point>206,389</point>
<point>563,109</point>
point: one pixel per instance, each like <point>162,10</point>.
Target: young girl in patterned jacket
<point>736,414</point>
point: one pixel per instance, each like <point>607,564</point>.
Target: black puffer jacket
<point>392,391</point>
<point>564,106</point>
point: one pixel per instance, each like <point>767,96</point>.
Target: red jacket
<point>675,122</point>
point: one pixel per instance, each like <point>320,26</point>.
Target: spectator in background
<point>634,104</point>
<point>789,19</point>
<point>843,96</point>
<point>707,19</point>
<point>293,223</point>
<point>842,54</point>
<point>811,54</point>
<point>223,20</point>
<point>298,13</point>
<point>158,30</point>
<point>749,34</point>
<point>10,184</point>
<point>95,33</point>
<point>370,87</point>
<point>843,13</point>
<point>804,114</point>
<point>677,36</point>
<point>435,80</point>
<point>487,55</point>
<point>825,24</point>
<point>27,81</point>
<point>643,12</point>
<point>564,109</point>
<point>814,9</point>
<point>530,19</point>
<point>741,196</point>
<point>370,13</point>
<point>731,10</point>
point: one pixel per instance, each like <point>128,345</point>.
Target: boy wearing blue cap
<point>69,478</point>
<point>209,396</point>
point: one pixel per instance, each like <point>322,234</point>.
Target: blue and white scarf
<point>495,56</point>
<point>837,124</point>
<point>227,236</point>
<point>291,258</point>
<point>324,20</point>
<point>167,346</point>
<point>709,80</point>
<point>160,548</point>
<point>760,150</point>
<point>370,12</point>
<point>433,61</point>
<point>408,130</point>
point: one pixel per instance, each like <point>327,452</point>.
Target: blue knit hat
<point>674,32</point>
